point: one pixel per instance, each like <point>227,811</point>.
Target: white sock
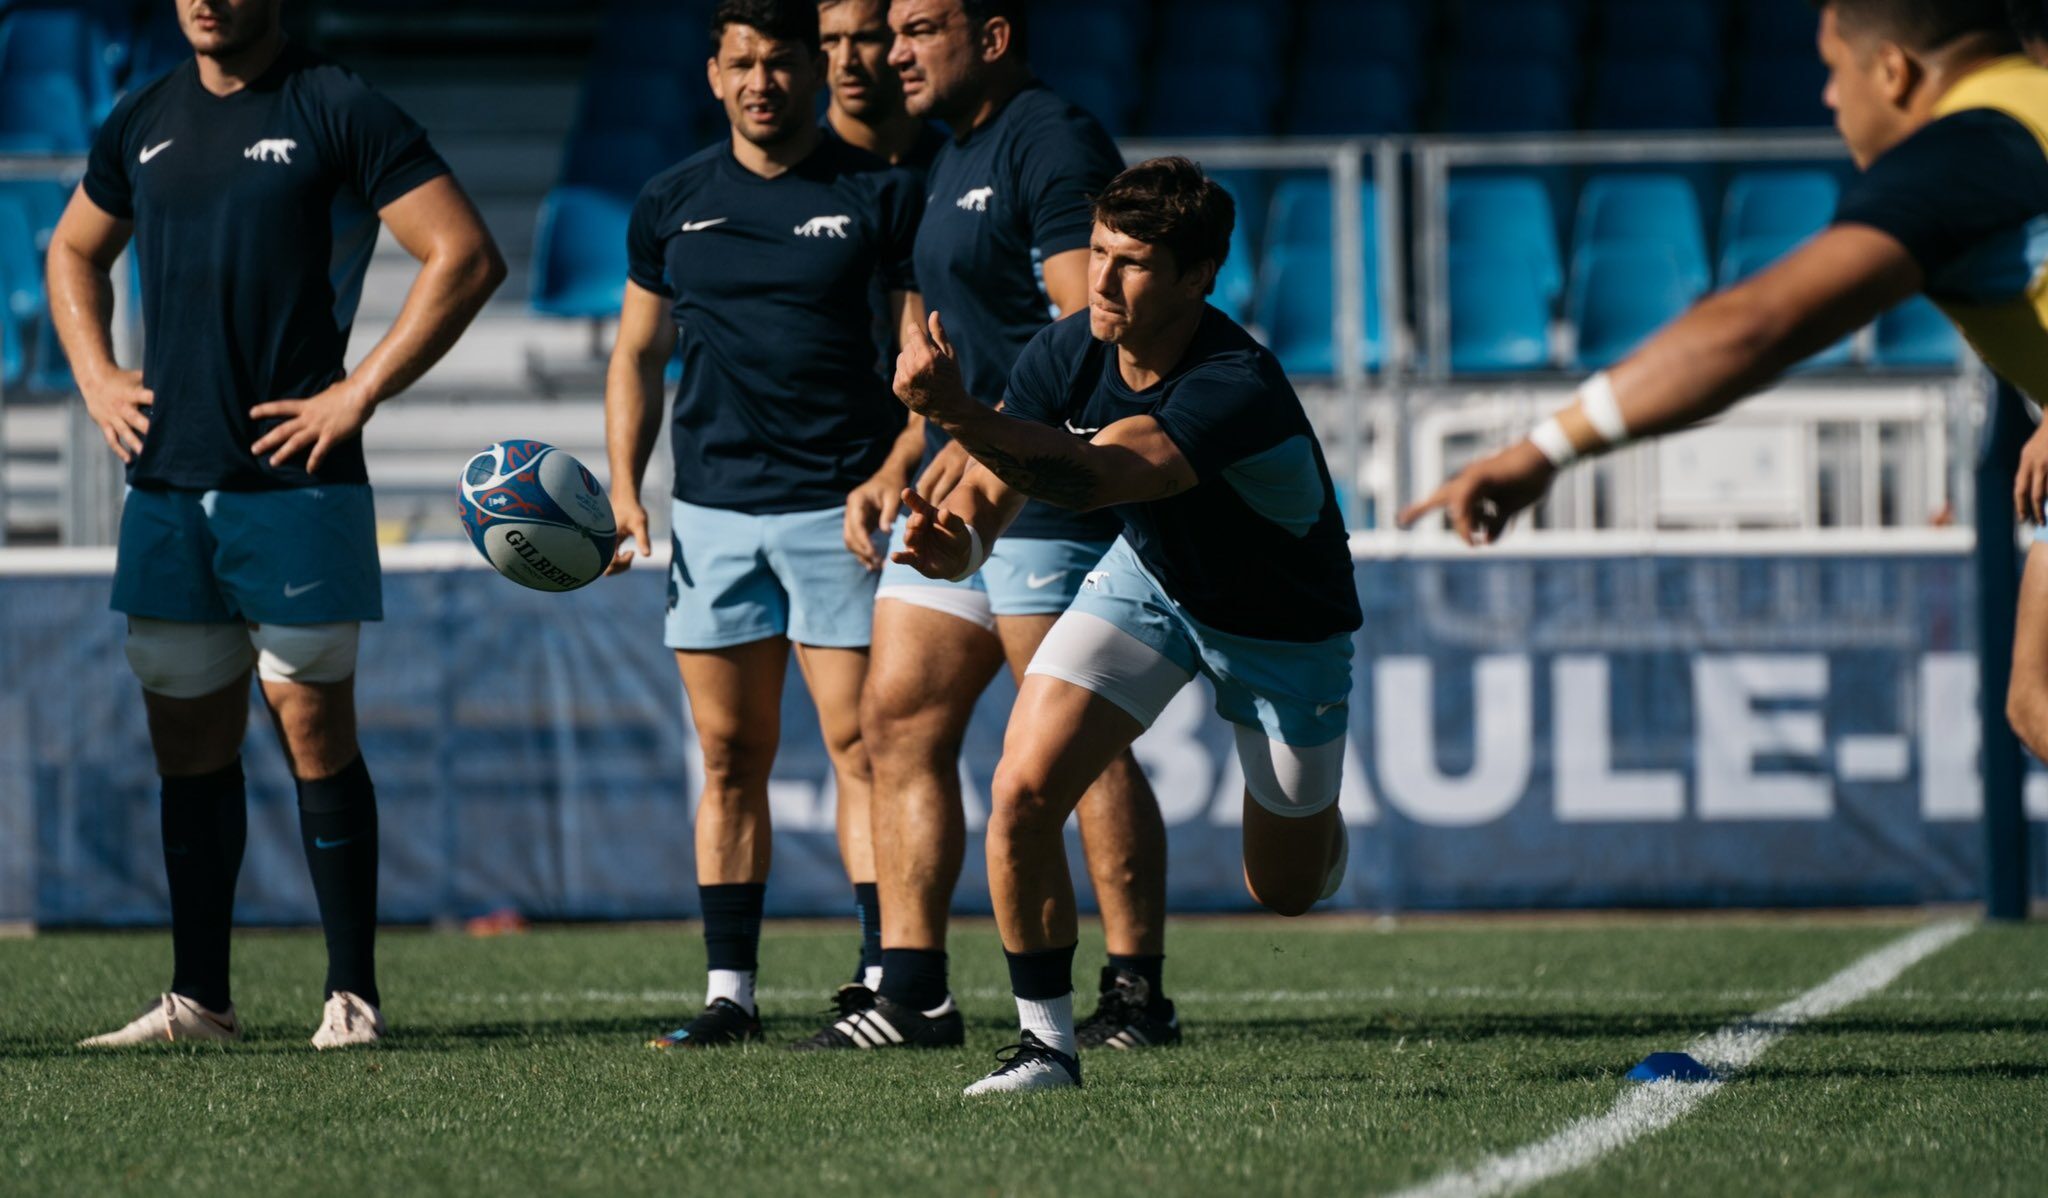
<point>871,977</point>
<point>735,984</point>
<point>1051,1020</point>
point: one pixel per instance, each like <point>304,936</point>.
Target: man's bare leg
<point>835,678</point>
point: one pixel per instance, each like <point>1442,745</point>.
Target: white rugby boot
<point>172,1019</point>
<point>346,1021</point>
<point>1030,1065</point>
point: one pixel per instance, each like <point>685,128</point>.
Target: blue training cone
<point>1671,1066</point>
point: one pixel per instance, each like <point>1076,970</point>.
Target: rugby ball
<point>538,515</point>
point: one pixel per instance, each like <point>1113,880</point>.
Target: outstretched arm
<point>459,269</point>
<point>1728,347</point>
<point>1131,461</point>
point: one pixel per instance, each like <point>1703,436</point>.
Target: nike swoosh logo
<point>321,842</point>
<point>292,592</point>
<point>698,226</point>
<point>1323,709</point>
<point>154,150</point>
<point>1039,582</point>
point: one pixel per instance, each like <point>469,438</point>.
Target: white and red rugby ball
<point>538,515</point>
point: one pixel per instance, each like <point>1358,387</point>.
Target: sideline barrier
<point>1755,720</point>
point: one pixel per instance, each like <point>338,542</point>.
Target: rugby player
<point>248,538</point>
<point>866,109</point>
<point>758,253</point>
<point>1003,244</point>
<point>1233,564</point>
<point>1949,123</point>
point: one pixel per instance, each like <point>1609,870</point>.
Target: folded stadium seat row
<point>1296,306</point>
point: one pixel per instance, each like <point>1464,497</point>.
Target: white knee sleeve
<point>309,653</point>
<point>1287,780</point>
<point>1095,655</point>
<point>185,661</point>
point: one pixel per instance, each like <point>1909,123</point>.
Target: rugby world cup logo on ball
<point>537,515</point>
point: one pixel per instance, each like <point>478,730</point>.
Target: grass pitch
<point>1333,1057</point>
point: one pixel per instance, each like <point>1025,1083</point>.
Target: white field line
<point>1649,1107</point>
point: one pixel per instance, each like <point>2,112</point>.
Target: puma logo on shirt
<point>271,149</point>
<point>976,200</point>
<point>825,226</point>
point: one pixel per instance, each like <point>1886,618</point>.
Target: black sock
<point>915,977</point>
<point>338,826</point>
<point>1148,967</point>
<point>206,825</point>
<point>732,925</point>
<point>867,901</point>
<point>1043,975</point>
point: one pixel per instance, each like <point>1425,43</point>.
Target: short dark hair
<point>1169,202</point>
<point>1924,25</point>
<point>783,20</point>
<point>1016,12</point>
<point>2029,19</point>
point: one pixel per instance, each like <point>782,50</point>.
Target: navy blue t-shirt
<point>780,408</point>
<point>1257,548</point>
<point>916,161</point>
<point>1002,200</point>
<point>255,217</point>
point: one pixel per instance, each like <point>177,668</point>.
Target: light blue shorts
<point>736,579</point>
<point>1298,694</point>
<point>303,556</point>
<point>1020,578</point>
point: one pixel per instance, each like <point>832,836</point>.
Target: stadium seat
<point>618,160</point>
<point>1508,216</point>
<point>1237,284</point>
<point>1745,256</point>
<point>1781,92</point>
<point>1223,99</point>
<point>1297,314</point>
<point>1778,203</point>
<point>641,97</point>
<point>1355,32</point>
<point>1520,29</point>
<point>1300,214</point>
<point>1661,28</point>
<point>1621,293</point>
<point>42,113</point>
<point>579,257</point>
<point>49,369</point>
<point>1098,92</point>
<point>1338,100</point>
<point>1087,33</point>
<point>41,201</point>
<point>21,261</point>
<point>11,364</point>
<point>1916,334</point>
<point>159,46</point>
<point>1629,210</point>
<point>1655,92</point>
<point>1500,315</point>
<point>61,40</point>
<point>1506,95</point>
<point>1215,31</point>
<point>668,36</point>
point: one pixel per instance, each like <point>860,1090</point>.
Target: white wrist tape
<point>1597,401</point>
<point>977,553</point>
<point>1550,438</point>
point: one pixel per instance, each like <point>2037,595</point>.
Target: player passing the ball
<point>759,253</point>
<point>251,181</point>
<point>1949,123</point>
<point>1233,564</point>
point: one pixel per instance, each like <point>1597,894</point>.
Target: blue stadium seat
<point>1253,191</point>
<point>620,161</point>
<point>1781,92</point>
<point>11,363</point>
<point>1655,208</point>
<point>1661,28</point>
<point>1221,99</point>
<point>662,36</point>
<point>21,260</point>
<point>49,369</point>
<point>579,257</point>
<point>1212,31</point>
<point>1621,293</point>
<point>630,97</point>
<point>1349,32</point>
<point>1778,203</point>
<point>1237,284</point>
<point>1773,27</point>
<point>1300,216</point>
<point>1535,29</point>
<point>1655,92</point>
<point>1100,92</point>
<point>159,46</point>
<point>1746,256</point>
<point>1500,315</point>
<point>1337,100</point>
<point>40,200</point>
<point>1916,334</point>
<point>1088,33</point>
<point>41,113</point>
<point>1298,317</point>
<point>1508,216</point>
<point>1505,95</point>
<point>65,41</point>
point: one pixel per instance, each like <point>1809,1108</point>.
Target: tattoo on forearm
<point>1060,481</point>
